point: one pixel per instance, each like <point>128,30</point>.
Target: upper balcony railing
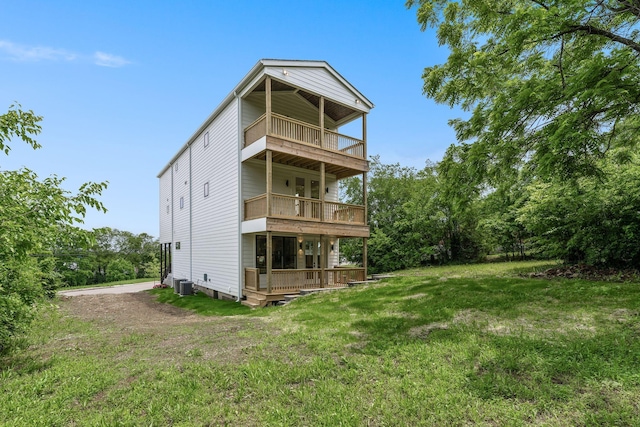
<point>295,130</point>
<point>303,208</point>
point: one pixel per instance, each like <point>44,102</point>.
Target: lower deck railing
<point>292,280</point>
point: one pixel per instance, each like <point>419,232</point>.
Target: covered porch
<point>285,264</point>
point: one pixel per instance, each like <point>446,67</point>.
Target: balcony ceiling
<point>336,112</point>
<point>300,162</point>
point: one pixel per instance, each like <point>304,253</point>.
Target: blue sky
<point>123,84</point>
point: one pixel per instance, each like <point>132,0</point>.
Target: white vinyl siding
<point>284,103</point>
<point>253,179</point>
<point>165,207</point>
<point>248,251</point>
<point>318,81</point>
<point>215,218</point>
<point>252,108</point>
<point>181,257</point>
<point>334,258</point>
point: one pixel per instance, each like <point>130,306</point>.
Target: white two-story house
<point>249,204</point>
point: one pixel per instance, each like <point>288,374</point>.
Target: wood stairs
<point>256,299</point>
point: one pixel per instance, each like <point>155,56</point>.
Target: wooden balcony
<point>305,209</point>
<point>297,131</point>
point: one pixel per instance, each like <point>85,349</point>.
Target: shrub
<point>120,269</point>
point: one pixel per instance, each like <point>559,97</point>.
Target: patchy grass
<point>201,303</point>
<point>465,345</point>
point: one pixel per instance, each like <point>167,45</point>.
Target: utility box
<point>176,285</point>
<point>186,287</point>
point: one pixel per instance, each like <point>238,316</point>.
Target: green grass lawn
<point>461,345</point>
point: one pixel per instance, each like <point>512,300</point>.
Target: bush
<point>120,269</point>
<point>20,289</point>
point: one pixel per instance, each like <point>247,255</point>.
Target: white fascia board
<point>254,226</point>
<point>318,64</point>
<point>255,148</point>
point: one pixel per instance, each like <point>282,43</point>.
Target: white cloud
<point>18,52</point>
<point>107,60</point>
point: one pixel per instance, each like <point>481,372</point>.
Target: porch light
<point>326,190</point>
<point>286,183</point>
<point>285,72</point>
<point>357,101</point>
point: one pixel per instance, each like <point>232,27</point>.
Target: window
<point>176,166</point>
<point>177,245</point>
<point>181,202</point>
<point>315,189</point>
<point>284,254</point>
<point>206,189</point>
<point>206,140</point>
<point>167,208</point>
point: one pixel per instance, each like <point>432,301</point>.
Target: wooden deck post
<point>323,259</point>
<point>364,135</point>
<point>267,90</point>
<point>364,256</point>
<point>321,121</point>
<point>269,260</point>
<point>364,196</point>
<point>322,191</point>
<point>269,179</point>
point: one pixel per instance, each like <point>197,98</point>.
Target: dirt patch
<point>143,328</point>
<point>423,331</point>
<point>532,322</point>
<point>138,310</point>
<point>588,272</point>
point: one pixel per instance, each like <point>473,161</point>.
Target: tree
<point>120,269</point>
<point>552,85</point>
<point>35,215</point>
<point>416,217</point>
<point>21,124</point>
<point>456,207</point>
<point>590,220</point>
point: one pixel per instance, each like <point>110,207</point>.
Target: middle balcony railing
<point>295,130</point>
<point>302,208</point>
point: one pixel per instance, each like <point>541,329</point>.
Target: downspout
<point>240,204</point>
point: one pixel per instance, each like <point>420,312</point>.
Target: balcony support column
<point>269,181</point>
<point>364,135</point>
<point>323,193</point>
<point>364,256</point>
<point>267,90</point>
<point>323,259</point>
<point>269,260</point>
<point>321,121</point>
<point>364,197</point>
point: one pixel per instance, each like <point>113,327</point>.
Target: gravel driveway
<point>112,290</point>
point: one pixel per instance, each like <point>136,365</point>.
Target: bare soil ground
<point>162,329</point>
<point>587,272</point>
